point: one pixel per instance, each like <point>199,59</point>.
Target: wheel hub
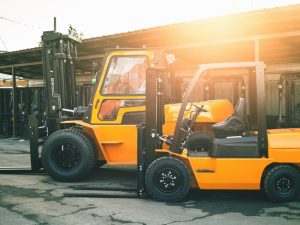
<point>67,156</point>
<point>284,184</point>
<point>168,180</point>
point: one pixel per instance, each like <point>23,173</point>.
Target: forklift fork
<point>36,165</point>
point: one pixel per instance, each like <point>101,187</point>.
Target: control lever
<point>77,111</point>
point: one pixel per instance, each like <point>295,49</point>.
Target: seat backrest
<point>234,125</point>
<point>240,109</point>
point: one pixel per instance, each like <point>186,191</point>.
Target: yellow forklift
<point>237,155</point>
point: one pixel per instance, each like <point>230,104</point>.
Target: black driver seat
<point>233,125</point>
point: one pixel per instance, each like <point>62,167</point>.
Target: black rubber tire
<point>79,129</point>
<point>80,149</point>
<point>282,183</point>
<point>168,179</point>
<point>199,142</point>
<point>99,163</point>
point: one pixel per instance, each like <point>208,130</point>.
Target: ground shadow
<point>248,203</point>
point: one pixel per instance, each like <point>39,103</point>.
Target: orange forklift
<point>236,155</point>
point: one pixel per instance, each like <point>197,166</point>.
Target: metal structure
<point>288,88</point>
<point>59,52</point>
<point>30,102</point>
<point>261,33</point>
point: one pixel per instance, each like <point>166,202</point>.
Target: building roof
<point>218,39</point>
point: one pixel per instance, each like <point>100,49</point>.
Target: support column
<point>14,102</point>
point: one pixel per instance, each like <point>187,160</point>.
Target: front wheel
<point>168,179</point>
<point>282,183</point>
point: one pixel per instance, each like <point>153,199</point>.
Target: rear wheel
<point>79,129</point>
<point>68,155</point>
<point>282,183</point>
<point>168,179</point>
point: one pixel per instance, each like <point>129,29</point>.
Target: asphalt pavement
<point>38,199</point>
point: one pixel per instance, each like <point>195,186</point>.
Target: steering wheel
<point>199,109</point>
<point>188,107</point>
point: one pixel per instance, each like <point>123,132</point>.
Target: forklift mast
<point>59,54</point>
<point>158,93</point>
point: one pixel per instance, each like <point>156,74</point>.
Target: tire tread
<point>89,148</point>
<point>269,176</point>
<point>150,173</point>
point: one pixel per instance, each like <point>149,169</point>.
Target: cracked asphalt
<point>38,199</point>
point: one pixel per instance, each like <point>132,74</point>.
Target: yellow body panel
<point>116,144</point>
<point>118,147</point>
<point>284,138</point>
<point>217,111</point>
<point>229,173</point>
<point>284,145</point>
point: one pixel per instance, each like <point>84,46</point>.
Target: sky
<point>23,21</point>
